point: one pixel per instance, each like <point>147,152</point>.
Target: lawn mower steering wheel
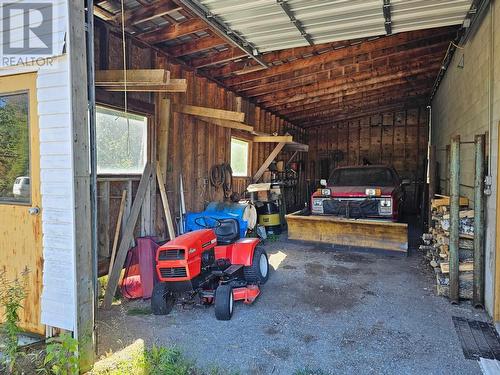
<point>203,222</point>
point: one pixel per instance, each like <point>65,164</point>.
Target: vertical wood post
<point>454,217</point>
<point>85,261</point>
<point>432,181</point>
<point>478,286</point>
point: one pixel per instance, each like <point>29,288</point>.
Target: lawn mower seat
<point>228,231</point>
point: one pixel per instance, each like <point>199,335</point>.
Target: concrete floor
<point>322,309</point>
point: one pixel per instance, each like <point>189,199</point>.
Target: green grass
<point>155,361</point>
<point>136,311</point>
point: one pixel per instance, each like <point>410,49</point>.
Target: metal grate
<point>478,339</point>
<point>173,272</point>
<point>171,254</point>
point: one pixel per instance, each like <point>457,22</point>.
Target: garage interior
<point>300,88</point>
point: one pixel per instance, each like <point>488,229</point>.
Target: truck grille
<point>173,272</point>
<point>351,208</point>
<point>171,254</point>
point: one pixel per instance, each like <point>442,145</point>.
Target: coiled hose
<point>222,175</point>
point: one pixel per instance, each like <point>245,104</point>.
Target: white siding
<point>56,164</point>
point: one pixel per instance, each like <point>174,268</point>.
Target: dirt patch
<point>315,269</point>
<point>329,299</point>
<point>341,270</point>
<point>379,335</point>
<point>352,258</point>
<point>289,267</point>
<point>271,331</point>
<point>308,338</point>
<point>281,353</point>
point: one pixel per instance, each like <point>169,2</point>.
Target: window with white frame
<point>239,157</point>
<point>121,142</point>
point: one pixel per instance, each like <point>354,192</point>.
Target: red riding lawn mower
<point>209,266</point>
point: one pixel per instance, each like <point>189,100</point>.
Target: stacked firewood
<point>437,246</point>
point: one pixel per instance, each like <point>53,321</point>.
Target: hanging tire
<point>258,272</point>
<point>224,302</point>
<point>162,301</point>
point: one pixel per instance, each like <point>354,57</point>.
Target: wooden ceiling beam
<point>432,46</point>
<point>362,86</point>
<point>282,55</point>
<point>346,84</point>
<point>197,45</point>
<point>381,94</point>
<point>349,115</point>
<point>385,42</point>
<point>217,58</point>
<point>173,31</point>
<point>147,13</point>
<point>321,99</point>
<point>341,74</point>
<point>355,105</point>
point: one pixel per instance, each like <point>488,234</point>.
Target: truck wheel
<point>224,302</point>
<point>258,272</point>
<point>162,301</point>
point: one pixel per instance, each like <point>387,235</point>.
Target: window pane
<point>14,149</point>
<point>239,157</point>
<point>121,146</point>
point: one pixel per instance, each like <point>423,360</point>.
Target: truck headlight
<point>326,192</point>
<point>373,192</point>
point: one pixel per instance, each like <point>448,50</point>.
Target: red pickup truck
<point>371,191</point>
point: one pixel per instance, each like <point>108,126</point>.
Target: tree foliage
<point>14,141</point>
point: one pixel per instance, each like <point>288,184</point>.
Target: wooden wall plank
<point>397,138</point>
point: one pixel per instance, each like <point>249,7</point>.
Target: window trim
<point>149,123</point>
<point>249,156</point>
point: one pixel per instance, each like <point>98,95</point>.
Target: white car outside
<point>21,187</point>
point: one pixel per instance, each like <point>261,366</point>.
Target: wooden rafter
<point>375,46</point>
<point>147,12</point>
<point>280,56</point>
<point>322,88</point>
<point>345,102</point>
<point>197,45</point>
<point>362,113</point>
<point>218,58</point>
<point>173,31</point>
<point>434,47</point>
<point>335,98</point>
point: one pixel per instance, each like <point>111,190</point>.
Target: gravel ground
<point>323,308</point>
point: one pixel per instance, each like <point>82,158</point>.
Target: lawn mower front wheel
<point>224,302</point>
<point>162,301</point>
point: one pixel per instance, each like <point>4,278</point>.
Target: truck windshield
<point>363,177</point>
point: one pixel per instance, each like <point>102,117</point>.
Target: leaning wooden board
<point>364,233</point>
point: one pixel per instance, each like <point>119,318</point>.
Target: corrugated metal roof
<point>265,25</point>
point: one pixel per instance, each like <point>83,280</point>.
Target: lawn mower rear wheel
<point>258,272</point>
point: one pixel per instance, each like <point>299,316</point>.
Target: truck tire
<point>258,272</point>
<point>224,302</point>
<point>162,301</point>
